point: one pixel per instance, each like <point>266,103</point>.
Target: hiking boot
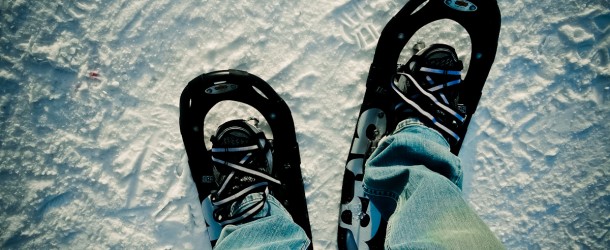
<point>242,165</point>
<point>429,88</point>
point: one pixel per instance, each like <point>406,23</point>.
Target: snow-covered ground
<point>91,154</point>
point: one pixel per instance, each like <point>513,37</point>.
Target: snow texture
<point>91,154</point>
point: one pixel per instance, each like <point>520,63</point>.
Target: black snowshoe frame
<point>360,225</point>
<point>198,98</point>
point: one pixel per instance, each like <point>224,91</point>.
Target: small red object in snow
<point>94,74</point>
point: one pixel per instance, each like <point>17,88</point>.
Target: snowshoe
<point>360,223</point>
<point>278,174</point>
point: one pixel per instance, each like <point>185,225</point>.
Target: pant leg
<point>415,181</point>
<point>271,228</point>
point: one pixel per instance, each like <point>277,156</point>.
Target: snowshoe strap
<point>432,98</point>
<point>442,86</point>
<point>234,149</point>
<point>223,205</point>
<point>440,71</point>
<point>245,170</point>
<point>251,210</point>
<point>450,114</point>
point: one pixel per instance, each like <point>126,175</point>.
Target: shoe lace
<point>222,211</point>
<point>446,113</point>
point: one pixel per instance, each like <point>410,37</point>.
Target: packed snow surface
<point>91,154</point>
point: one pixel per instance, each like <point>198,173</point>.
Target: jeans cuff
<point>407,123</point>
<point>414,121</point>
<point>245,203</point>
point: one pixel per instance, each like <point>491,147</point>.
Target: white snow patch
<point>96,160</point>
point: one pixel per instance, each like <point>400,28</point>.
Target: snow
<point>91,154</point>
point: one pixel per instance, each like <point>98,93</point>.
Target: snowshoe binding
<point>242,163</point>
<point>429,88</point>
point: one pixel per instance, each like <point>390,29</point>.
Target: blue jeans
<point>413,179</point>
<point>271,228</point>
